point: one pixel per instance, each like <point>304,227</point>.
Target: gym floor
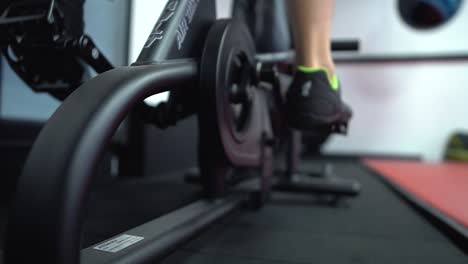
<point>376,227</point>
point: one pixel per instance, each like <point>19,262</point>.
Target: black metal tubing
<point>47,214</point>
<point>179,33</point>
<point>165,234</point>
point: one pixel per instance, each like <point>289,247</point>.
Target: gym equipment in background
<point>457,147</point>
<point>61,45</point>
<point>428,14</point>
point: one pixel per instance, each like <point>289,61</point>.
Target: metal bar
<point>293,153</point>
<point>345,45</point>
<point>165,234</point>
<point>289,56</point>
<point>351,57</point>
<point>275,57</point>
<point>52,191</point>
<point>400,58</point>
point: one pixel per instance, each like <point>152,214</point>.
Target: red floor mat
<point>443,186</point>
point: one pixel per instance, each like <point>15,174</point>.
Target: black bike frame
<point>47,214</point>
<point>46,217</point>
<point>180,31</point>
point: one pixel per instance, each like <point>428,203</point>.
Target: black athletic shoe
<point>314,102</point>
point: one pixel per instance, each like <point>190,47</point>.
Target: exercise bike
<point>212,70</point>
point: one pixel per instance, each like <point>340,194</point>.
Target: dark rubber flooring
<point>130,203</point>
<point>376,227</point>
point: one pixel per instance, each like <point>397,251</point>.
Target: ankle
<point>329,67</point>
<point>332,78</point>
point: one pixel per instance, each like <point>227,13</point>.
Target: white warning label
<point>118,243</point>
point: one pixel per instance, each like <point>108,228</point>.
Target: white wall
<point>378,25</point>
<point>406,108</point>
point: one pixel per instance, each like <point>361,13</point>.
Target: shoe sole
<point>307,121</point>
